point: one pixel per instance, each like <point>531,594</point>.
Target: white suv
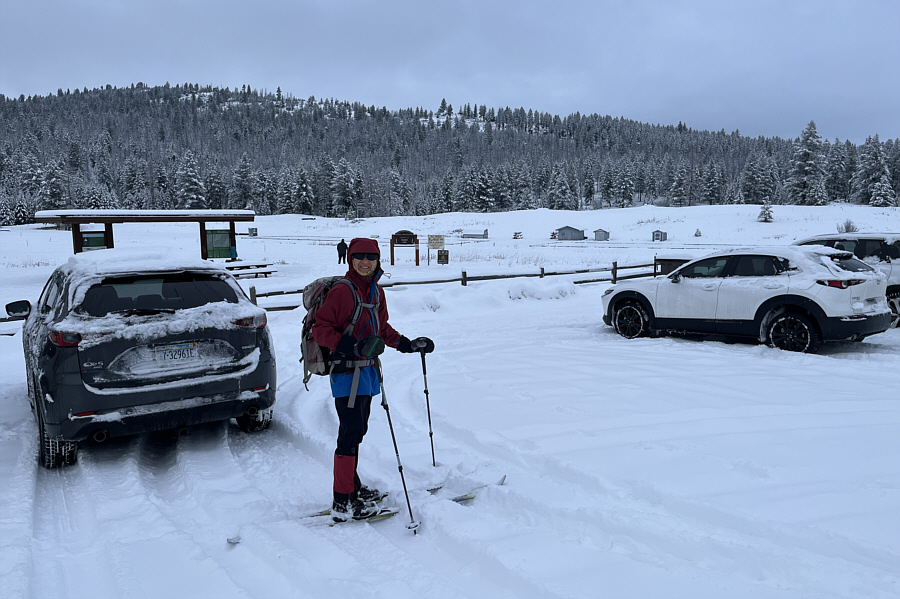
<point>879,250</point>
<point>793,298</point>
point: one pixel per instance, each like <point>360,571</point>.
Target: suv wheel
<point>54,453</point>
<point>254,420</point>
<point>794,332</point>
<point>630,320</point>
<point>893,298</point>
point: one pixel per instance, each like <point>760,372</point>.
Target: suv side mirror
<point>675,277</point>
<point>19,309</point>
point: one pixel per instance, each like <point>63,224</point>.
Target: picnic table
<point>250,269</point>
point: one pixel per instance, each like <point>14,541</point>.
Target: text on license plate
<point>176,352</point>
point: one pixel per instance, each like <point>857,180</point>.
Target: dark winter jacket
<point>342,248</point>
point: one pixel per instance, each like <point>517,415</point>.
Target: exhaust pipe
<point>252,411</point>
<point>99,436</point>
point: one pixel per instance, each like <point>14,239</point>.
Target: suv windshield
<point>155,293</point>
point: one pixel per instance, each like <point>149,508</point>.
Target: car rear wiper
<point>147,311</point>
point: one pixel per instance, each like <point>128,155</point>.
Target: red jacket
<point>333,317</point>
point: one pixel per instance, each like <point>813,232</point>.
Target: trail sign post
<point>435,242</point>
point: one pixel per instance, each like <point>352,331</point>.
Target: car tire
<point>791,331</point>
<point>630,319</point>
<point>258,420</point>
<point>893,299</point>
<point>54,452</point>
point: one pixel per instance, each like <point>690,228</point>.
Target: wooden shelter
<point>107,218</point>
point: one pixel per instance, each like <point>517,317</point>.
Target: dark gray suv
<point>119,344</point>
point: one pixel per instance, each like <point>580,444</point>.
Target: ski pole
<point>428,406</point>
<point>413,525</point>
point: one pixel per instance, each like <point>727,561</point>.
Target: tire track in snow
<point>18,445</point>
<point>75,531</point>
<point>197,486</point>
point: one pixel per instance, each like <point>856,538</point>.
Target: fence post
<point>615,270</point>
<point>253,294</point>
<point>542,272</point>
<point>464,278</point>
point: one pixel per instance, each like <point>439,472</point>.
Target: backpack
<point>317,359</point>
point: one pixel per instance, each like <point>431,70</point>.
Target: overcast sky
<point>763,67</point>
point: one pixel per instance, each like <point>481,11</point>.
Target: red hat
<point>363,245</point>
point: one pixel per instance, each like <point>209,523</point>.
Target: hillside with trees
<point>187,146</point>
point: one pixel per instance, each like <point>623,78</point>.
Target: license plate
<point>176,353</point>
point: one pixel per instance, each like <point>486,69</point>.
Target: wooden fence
<point>613,274</point>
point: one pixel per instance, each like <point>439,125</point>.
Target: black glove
<point>405,346</point>
<point>370,347</point>
<point>422,344</point>
<point>419,344</point>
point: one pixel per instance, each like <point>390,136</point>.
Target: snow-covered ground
<point>635,468</point>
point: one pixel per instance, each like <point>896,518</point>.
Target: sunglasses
<point>364,257</point>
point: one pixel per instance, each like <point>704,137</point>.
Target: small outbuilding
<point>475,234</point>
<point>601,235</point>
<point>660,235</point>
<point>570,234</point>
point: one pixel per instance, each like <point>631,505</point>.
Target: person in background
<point>342,252</point>
<point>354,378</point>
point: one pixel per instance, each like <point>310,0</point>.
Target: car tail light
<point>257,322</point>
<point>840,283</point>
<point>61,339</point>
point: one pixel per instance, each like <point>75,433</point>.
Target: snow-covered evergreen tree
<point>765,213</point>
<point>445,193</point>
<point>837,180</point>
<point>52,194</point>
<point>23,210</point>
<point>6,210</point>
<point>242,197</point>
<point>216,189</point>
<point>806,183</point>
<point>399,201</point>
<point>465,191</point>
<point>484,190</point>
<point>304,199</point>
<point>883,195</point>
<point>713,185</point>
<point>190,192</point>
<point>559,194</point>
<point>872,166</point>
<point>678,195</point>
<point>760,180</point>
<point>343,192</point>
<point>624,185</point>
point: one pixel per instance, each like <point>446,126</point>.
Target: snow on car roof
<point>791,252</point>
<point>115,260</point>
<point>889,238</point>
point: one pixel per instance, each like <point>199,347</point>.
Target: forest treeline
<point>189,147</point>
